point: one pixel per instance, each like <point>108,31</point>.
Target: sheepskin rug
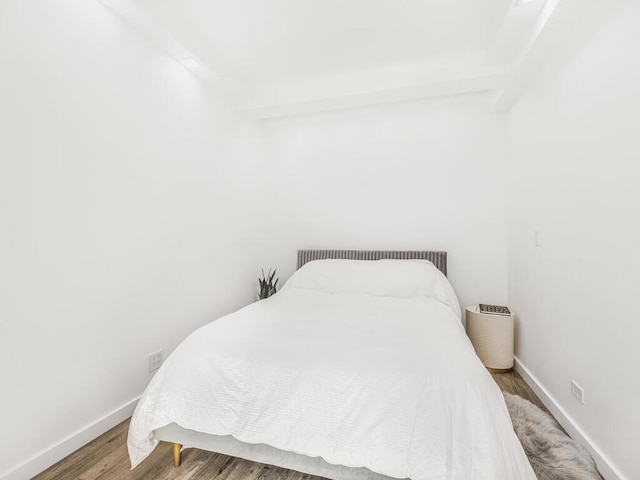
<point>553,455</point>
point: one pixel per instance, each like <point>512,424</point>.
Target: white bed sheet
<point>389,384</point>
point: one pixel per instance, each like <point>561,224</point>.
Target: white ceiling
<point>283,57</point>
<point>268,39</point>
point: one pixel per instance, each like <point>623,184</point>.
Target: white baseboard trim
<point>44,459</point>
<point>606,467</point>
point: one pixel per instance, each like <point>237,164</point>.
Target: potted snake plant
<point>267,284</point>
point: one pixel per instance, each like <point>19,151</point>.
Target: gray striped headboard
<point>439,259</point>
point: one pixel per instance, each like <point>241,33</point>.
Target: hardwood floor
<point>106,457</point>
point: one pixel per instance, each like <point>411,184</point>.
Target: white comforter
<point>386,383</point>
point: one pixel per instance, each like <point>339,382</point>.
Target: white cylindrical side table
<point>492,338</point>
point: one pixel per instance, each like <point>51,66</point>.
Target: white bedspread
<point>386,383</point>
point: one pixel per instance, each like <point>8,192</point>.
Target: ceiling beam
<point>561,28</point>
<point>179,47</point>
<point>485,79</point>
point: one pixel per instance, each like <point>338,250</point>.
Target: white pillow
<point>382,278</point>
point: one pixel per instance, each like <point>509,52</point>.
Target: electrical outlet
<point>577,391</point>
<point>155,360</point>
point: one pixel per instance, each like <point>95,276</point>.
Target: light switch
<point>536,238</point>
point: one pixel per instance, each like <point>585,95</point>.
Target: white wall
<point>576,180</point>
<point>419,175</point>
<point>127,199</point>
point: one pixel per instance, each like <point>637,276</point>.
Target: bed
<point>358,369</point>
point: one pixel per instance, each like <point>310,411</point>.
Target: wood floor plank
<point>243,469</point>
<point>106,457</point>
<point>106,464</point>
<point>513,383</point>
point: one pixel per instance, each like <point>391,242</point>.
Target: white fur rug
<point>553,455</point>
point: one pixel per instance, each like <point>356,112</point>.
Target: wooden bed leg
<point>177,455</point>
